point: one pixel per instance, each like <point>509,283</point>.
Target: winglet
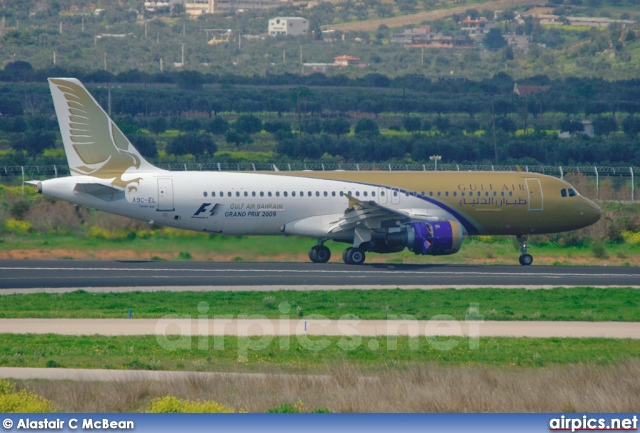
<point>94,144</point>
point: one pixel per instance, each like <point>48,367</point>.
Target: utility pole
<point>109,98</point>
<point>105,61</point>
<point>495,141</point>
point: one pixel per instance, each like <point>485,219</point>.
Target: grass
<point>416,388</point>
<point>563,304</point>
<point>304,355</point>
<point>168,244</point>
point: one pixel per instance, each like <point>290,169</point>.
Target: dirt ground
<point>121,254</point>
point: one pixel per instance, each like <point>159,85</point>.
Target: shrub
<point>171,404</point>
<point>13,401</point>
<point>631,237</point>
<point>17,226</point>
<point>598,250</point>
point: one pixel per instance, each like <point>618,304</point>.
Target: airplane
<point>373,211</point>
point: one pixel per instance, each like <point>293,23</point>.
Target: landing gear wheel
<point>353,256</point>
<point>319,254</point>
<point>526,259</point>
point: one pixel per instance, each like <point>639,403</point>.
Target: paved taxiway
<point>257,326</point>
<point>130,275</point>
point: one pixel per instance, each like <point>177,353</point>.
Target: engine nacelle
<point>436,238</point>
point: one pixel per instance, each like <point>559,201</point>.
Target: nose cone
<point>589,212</point>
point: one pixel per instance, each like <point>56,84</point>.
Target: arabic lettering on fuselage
<point>490,187</point>
<point>492,201</point>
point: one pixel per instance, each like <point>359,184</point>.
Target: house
<point>346,61</point>
<point>288,26</point>
<point>476,28</point>
<point>519,42</point>
<point>412,36</point>
<point>524,90</point>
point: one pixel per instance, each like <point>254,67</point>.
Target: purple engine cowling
<point>436,238</point>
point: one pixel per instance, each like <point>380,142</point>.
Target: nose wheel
<point>525,259</point>
<point>319,254</point>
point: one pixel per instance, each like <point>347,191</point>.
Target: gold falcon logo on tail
<point>94,144</point>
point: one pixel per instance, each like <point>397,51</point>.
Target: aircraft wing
<point>368,212</point>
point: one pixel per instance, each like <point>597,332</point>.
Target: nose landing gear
<point>525,259</point>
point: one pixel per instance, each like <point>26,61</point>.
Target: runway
<point>257,326</point>
<point>19,276</point>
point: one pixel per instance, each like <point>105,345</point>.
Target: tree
<point>493,40</point>
<point>337,126</point>
<point>178,9</point>
<point>407,5</point>
<point>443,124</point>
<point>192,143</point>
<point>158,125</point>
<point>217,125</point>
<point>411,124</point>
<point>571,126</point>
<point>631,126</point>
<point>274,126</point>
<point>384,10</point>
<point>34,142</point>
<point>247,124</point>
<point>146,145</point>
<point>604,125</point>
<point>366,127</point>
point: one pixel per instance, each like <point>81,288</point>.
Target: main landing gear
<point>319,253</point>
<point>525,259</point>
<point>351,256</point>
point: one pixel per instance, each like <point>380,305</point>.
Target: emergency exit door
<point>534,189</point>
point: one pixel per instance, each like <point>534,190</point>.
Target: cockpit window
<point>563,192</point>
<point>572,192</point>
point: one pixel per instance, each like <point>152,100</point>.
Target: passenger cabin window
<point>237,193</point>
<point>253,194</point>
<point>246,193</point>
<point>269,194</point>
<point>261,193</point>
<point>229,194</point>
<point>326,194</point>
<point>204,193</point>
<point>277,193</point>
<point>213,193</point>
<point>285,193</point>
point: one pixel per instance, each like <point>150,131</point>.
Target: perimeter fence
<point>596,183</point>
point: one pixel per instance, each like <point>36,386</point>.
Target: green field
<point>563,304</point>
<point>313,354</point>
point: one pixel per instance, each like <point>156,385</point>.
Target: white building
<point>288,26</point>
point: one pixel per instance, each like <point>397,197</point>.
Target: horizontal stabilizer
<point>98,190</point>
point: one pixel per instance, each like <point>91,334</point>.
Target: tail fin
<point>94,145</point>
